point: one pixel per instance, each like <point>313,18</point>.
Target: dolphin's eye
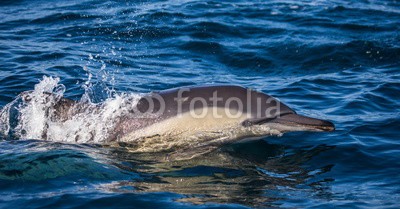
<point>247,123</point>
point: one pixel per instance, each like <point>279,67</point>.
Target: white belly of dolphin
<point>192,129</point>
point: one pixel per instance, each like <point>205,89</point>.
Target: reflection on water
<point>250,173</point>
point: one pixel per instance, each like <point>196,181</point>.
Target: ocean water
<point>337,60</point>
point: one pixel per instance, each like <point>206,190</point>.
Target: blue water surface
<point>338,60</point>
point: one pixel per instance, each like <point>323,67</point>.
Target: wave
<point>39,115</point>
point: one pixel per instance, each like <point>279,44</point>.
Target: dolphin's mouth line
<point>294,120</point>
<point>306,122</point>
<point>313,127</point>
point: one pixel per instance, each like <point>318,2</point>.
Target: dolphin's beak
<point>305,123</point>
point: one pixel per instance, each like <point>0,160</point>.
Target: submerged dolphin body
<point>191,120</point>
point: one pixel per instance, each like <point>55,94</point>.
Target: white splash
<point>37,115</point>
<point>33,116</point>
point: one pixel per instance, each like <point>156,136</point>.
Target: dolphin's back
<point>181,100</point>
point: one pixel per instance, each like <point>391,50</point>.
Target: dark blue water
<point>337,60</point>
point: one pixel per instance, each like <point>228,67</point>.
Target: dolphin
<point>188,121</point>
